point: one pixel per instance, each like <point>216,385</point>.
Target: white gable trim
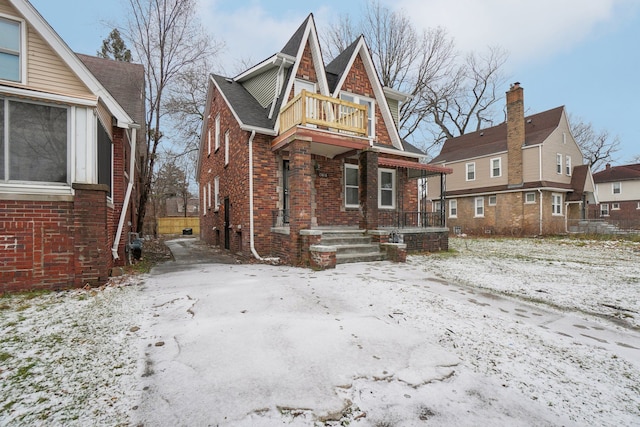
<point>381,100</point>
<point>62,49</point>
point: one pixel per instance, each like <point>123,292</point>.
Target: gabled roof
<point>337,67</point>
<point>58,45</point>
<point>247,110</point>
<point>493,140</point>
<point>123,80</point>
<point>579,177</point>
<point>618,173</point>
<point>293,44</point>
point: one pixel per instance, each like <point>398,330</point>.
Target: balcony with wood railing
<point>324,112</point>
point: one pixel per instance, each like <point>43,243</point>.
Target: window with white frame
<point>436,206</point>
<point>638,205</point>
<point>209,194</point>
<point>530,198</point>
<point>351,195</point>
<point>556,204</point>
<point>453,208</point>
<point>217,134</point>
<point>209,142</point>
<point>615,206</point>
<point>479,207</point>
<point>559,163</point>
<point>226,148</point>
<point>604,209</point>
<point>11,46</point>
<point>367,102</point>
<point>471,171</point>
<point>567,164</point>
<point>204,200</point>
<point>496,167</point>
<point>216,193</point>
<point>493,200</point>
<point>34,140</point>
<point>616,188</point>
<point>386,188</point>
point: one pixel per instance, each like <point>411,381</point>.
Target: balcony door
<point>310,107</point>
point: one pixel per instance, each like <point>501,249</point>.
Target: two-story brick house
<point>68,134</point>
<point>523,177</point>
<point>618,191</point>
<point>292,150</point>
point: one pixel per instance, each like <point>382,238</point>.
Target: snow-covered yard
<point>496,332</point>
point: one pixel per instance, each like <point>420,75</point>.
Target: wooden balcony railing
<point>309,108</point>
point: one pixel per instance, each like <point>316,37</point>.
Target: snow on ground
<point>496,332</point>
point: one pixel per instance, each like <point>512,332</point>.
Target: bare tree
<point>168,39</point>
<point>598,147</point>
<point>450,94</point>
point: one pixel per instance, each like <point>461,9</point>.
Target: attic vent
<point>529,121</point>
<point>481,133</point>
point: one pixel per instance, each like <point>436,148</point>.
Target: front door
<point>286,203</point>
<point>227,217</point>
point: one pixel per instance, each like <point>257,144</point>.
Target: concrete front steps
<point>352,246</point>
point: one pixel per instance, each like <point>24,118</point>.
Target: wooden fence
<point>175,225</point>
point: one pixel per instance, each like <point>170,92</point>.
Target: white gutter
<point>251,226</point>
<point>127,197</point>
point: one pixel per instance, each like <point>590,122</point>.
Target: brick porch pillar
<point>300,170</point>
<point>368,164</point>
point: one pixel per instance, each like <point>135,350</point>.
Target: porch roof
<point>399,163</point>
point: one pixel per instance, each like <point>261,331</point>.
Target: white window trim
<point>209,142</point>
<point>475,207</point>
<point>371,118</point>
<point>559,164</point>
<point>554,197</point>
<point>453,205</point>
<point>466,171</point>
<point>393,188</point>
<point>209,194</point>
<point>495,202</point>
<point>615,206</point>
<point>226,148</point>
<point>23,49</point>
<point>499,159</point>
<point>216,193</point>
<point>217,135</point>
<point>350,166</point>
<point>204,200</point>
<point>567,163</point>
<point>527,201</point>
<point>638,205</point>
<point>603,211</point>
<point>613,187</point>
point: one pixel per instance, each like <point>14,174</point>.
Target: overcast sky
<point>580,54</point>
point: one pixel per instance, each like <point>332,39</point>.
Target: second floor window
<point>496,168</point>
<point>559,163</point>
<point>471,171</point>
<point>616,187</point>
<point>10,46</point>
<point>567,162</point>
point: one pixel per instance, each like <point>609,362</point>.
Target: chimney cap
<point>515,85</point>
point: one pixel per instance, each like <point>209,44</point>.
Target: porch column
<point>300,170</point>
<point>368,164</point>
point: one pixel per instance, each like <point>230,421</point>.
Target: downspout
<point>540,198</point>
<point>127,197</point>
<point>251,226</point>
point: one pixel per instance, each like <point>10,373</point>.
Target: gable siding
<point>394,108</point>
<point>629,191</point>
<point>46,71</point>
<point>531,164</point>
<point>357,82</point>
<point>263,87</point>
<point>555,145</point>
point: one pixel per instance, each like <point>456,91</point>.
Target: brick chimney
<point>515,134</point>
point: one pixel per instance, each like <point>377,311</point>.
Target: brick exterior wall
<point>628,216</point>
<point>511,216</point>
<point>55,244</point>
<point>368,190</point>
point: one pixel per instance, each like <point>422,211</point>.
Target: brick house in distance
<point>69,127</point>
<point>523,177</point>
<point>303,161</point>
<point>618,190</point>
